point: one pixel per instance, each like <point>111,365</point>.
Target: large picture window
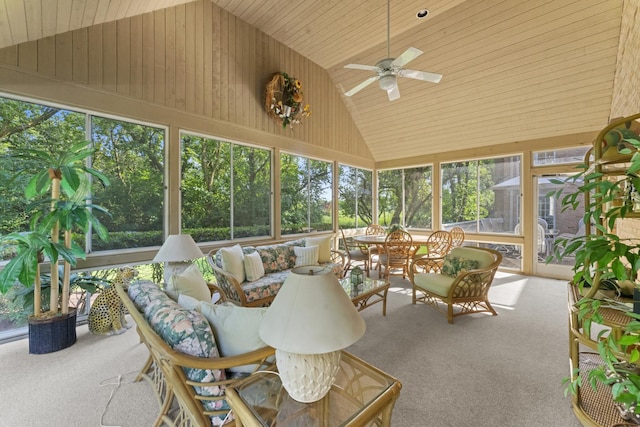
<point>226,189</point>
<point>306,194</point>
<point>355,197</point>
<point>405,197</point>
<point>482,195</point>
<point>132,156</point>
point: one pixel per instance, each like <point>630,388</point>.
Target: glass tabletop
<point>358,385</point>
<point>369,285</point>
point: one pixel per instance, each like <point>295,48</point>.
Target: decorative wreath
<point>283,100</point>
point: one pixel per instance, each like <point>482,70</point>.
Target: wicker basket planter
<point>52,334</point>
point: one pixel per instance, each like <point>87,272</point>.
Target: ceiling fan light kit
<point>389,68</point>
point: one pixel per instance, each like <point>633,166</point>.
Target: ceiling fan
<point>389,68</point>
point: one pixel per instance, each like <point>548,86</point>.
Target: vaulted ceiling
<point>513,70</point>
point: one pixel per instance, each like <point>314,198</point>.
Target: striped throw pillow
<point>306,255</point>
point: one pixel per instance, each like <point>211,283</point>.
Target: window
<point>132,156</point>
<point>226,189</point>
<point>355,201</point>
<point>482,195</point>
<point>555,157</point>
<point>306,194</point>
<point>405,197</point>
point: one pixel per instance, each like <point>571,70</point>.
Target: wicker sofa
<point>184,362</point>
<point>277,260</point>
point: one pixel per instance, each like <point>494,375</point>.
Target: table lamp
<point>177,252</point>
<point>310,320</point>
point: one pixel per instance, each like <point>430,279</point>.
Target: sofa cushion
<point>189,282</point>
<point>143,292</point>
<point>324,245</point>
<point>306,256</point>
<point>232,262</point>
<point>189,332</point>
<point>253,267</point>
<point>436,283</point>
<point>277,258</point>
<point>235,329</point>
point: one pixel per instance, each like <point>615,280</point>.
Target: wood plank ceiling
<point>514,70</point>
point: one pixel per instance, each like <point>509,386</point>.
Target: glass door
<point>552,223</point>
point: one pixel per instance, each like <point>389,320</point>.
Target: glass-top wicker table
<point>368,293</point>
<point>362,395</point>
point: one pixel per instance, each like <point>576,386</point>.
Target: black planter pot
<point>53,334</point>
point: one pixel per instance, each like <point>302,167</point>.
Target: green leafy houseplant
<point>64,176</point>
<point>601,256</point>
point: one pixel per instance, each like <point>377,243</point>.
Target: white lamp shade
<point>177,248</point>
<point>311,314</point>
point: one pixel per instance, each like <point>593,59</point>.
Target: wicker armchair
<point>457,237</point>
<point>438,245</point>
<point>355,254</point>
<point>462,281</point>
<point>374,250</point>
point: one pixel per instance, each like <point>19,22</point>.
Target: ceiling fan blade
<point>421,75</point>
<point>362,67</point>
<point>361,86</point>
<point>408,55</point>
<point>393,92</point>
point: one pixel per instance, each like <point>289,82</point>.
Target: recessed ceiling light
<point>422,13</point>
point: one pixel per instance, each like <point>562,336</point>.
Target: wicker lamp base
<point>307,377</point>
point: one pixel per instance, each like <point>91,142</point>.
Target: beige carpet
<point>481,371</point>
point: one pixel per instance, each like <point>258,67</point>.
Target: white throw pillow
<point>324,246</point>
<point>190,303</point>
<point>306,255</point>
<point>189,282</point>
<point>235,329</point>
<point>232,262</point>
<point>253,267</point>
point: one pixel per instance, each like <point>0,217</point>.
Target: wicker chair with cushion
<point>355,254</point>
<point>457,237</point>
<point>463,281</point>
<point>438,245</point>
<point>397,251</point>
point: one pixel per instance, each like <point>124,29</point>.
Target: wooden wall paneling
<point>199,58</point>
<point>223,80</point>
<point>112,11</point>
<point>148,57</point>
<point>63,16</point>
<point>123,34</point>
<point>17,22</point>
<point>101,11</point>
<point>170,57</point>
<point>215,60</point>
<point>254,85</point>
<point>180,58</point>
<point>28,55</point>
<point>64,56</point>
<point>159,57</point>
<point>49,21</point>
<point>123,8</point>
<point>208,58</point>
<point>5,28</point>
<point>94,36</point>
<point>232,94</point>
<point>89,15</point>
<point>47,56</point>
<point>110,56</point>
<point>80,56</point>
<point>33,11</point>
<point>245,100</point>
<point>190,60</point>
<point>9,55</point>
<point>626,84</point>
<point>135,58</point>
<point>77,14</point>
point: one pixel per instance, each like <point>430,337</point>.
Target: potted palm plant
<point>63,176</point>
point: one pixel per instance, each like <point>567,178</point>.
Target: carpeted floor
<point>481,371</point>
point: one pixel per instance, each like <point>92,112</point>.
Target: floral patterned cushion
<point>143,292</point>
<point>452,265</point>
<point>277,257</point>
<point>189,332</point>
<point>217,257</point>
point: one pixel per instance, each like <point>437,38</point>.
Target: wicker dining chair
<point>374,250</point>
<point>457,237</point>
<point>397,251</point>
<point>438,245</point>
<point>355,254</point>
